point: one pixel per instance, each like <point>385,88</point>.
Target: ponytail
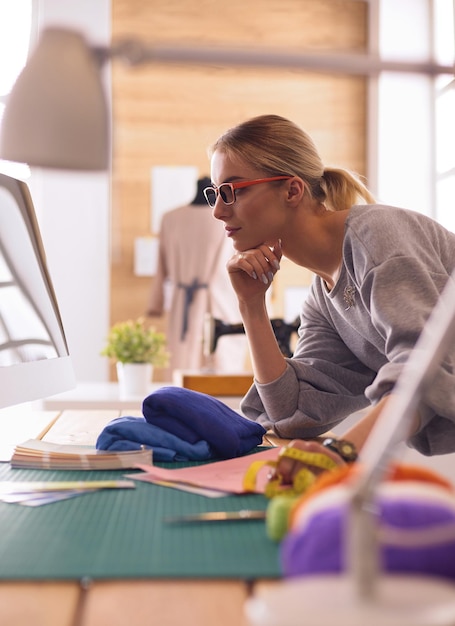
<point>343,189</point>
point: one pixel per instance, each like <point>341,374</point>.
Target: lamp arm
<point>134,52</point>
<point>56,114</point>
<point>391,428</point>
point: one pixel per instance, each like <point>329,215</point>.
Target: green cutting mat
<point>122,534</point>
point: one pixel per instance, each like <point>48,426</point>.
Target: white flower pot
<point>134,379</point>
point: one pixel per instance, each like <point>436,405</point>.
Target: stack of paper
<point>217,479</point>
<point>37,454</point>
<point>37,493</point>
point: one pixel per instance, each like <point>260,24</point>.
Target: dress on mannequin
<point>193,252</point>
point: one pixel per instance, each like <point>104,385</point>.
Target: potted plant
<point>137,349</point>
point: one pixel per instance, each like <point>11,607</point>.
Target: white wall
<point>73,212</point>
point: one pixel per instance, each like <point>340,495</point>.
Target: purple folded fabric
<point>417,525</point>
<point>193,416</point>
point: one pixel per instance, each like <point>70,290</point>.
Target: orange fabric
<point>343,474</point>
<point>422,474</point>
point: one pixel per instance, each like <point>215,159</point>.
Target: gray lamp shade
<point>56,115</point>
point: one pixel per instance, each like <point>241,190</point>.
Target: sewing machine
<point>215,328</point>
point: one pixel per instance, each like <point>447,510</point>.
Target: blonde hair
<point>277,147</point>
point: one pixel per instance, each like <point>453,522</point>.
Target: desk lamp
<point>57,115</point>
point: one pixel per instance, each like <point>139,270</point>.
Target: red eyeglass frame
<point>239,185</point>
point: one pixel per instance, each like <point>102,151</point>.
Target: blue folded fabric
<point>183,425</point>
<point>192,416</point>
<point>131,433</point>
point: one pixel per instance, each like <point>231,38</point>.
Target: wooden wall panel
<point>169,115</point>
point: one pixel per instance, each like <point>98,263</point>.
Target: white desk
<point>94,396</point>
<point>101,396</point>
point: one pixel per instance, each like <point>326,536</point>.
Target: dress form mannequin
<point>193,253</point>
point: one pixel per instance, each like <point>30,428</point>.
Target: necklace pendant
<point>349,296</point>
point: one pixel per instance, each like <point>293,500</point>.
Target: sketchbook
<point>37,454</point>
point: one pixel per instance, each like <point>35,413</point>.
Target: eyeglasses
<point>227,190</point>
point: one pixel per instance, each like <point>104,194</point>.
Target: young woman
<point>378,273</point>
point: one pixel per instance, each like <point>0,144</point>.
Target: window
<point>444,52</point>
<point>415,120</point>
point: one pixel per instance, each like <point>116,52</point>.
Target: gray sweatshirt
<point>354,340</point>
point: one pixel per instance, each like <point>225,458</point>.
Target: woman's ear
<point>296,189</point>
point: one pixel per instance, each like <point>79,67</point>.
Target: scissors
<point>218,516</point>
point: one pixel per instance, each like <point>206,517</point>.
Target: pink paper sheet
<point>226,476</point>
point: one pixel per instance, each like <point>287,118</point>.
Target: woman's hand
<point>252,271</point>
<point>287,468</point>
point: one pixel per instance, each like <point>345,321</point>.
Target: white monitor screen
<point>34,359</point>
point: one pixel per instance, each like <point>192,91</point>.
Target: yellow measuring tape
<point>302,480</point>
